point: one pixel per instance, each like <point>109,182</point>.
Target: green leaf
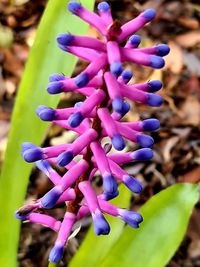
<point>94,248</point>
<point>166,217</point>
<point>45,58</point>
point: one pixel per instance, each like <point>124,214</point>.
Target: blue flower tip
<point>127,75</point>
<point>149,14</point>
<point>74,7</point>
<point>46,113</point>
<point>56,77</point>
<point>101,226</point>
<point>154,85</point>
<point>157,62</point>
<point>49,200</point>
<point>163,50</point>
<point>118,142</point>
<point>55,87</point>
<point>65,39</point>
<point>145,140</point>
<point>154,100</point>
<point>33,154</point>
<point>151,124</point>
<point>118,104</point>
<point>109,184</point>
<point>142,154</point>
<point>64,158</point>
<point>116,68</point>
<point>134,185</point>
<point>103,7</point>
<point>26,146</point>
<point>20,217</point>
<point>56,253</point>
<point>81,80</point>
<point>75,119</point>
<point>135,39</point>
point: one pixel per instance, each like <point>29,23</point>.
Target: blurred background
<point>177,143</point>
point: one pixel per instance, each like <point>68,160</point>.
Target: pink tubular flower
<point>105,85</point>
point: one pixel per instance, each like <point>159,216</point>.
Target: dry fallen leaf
<point>189,39</point>
<point>174,61</point>
<point>190,111</point>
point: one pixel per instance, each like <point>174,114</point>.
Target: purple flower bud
<point>64,158</point>
<point>157,62</point>
<point>130,217</point>
<point>110,185</point>
<point>154,100</point>
<point>154,85</point>
<point>81,80</point>
<point>75,119</point>
<point>145,140</point>
<point>149,14</point>
<point>163,50</point>
<point>118,142</point>
<point>44,166</point>
<point>118,104</point>
<point>65,39</point>
<point>134,185</point>
<point>74,7</point>
<point>46,113</point>
<point>20,217</point>
<point>116,68</point>
<point>33,154</point>
<point>49,200</point>
<point>150,124</point>
<point>56,253</point>
<point>125,109</point>
<point>135,40</point>
<point>55,87</point>
<point>26,146</point>
<point>142,154</point>
<point>56,77</point>
<point>103,6</point>
<point>101,226</point>
<point>127,75</point>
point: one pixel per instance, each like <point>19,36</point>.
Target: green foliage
<point>166,218</point>
<point>45,58</point>
<point>101,244</point>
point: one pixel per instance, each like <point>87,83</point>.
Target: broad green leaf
<point>166,217</point>
<point>45,58</point>
<point>94,248</point>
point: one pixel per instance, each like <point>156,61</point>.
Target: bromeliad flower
<point>105,85</point>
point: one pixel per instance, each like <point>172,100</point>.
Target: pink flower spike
<point>80,41</point>
<point>136,24</point>
<point>95,66</point>
<point>101,226</point>
<point>85,139</point>
<point>105,12</point>
<point>86,54</point>
<point>100,158</point>
<point>83,211</point>
<point>141,58</point>
<point>133,41</point>
<point>107,207</point>
<point>63,234</point>
<point>50,172</point>
<point>88,16</point>
<point>134,94</point>
<point>91,102</point>
<point>114,58</point>
<point>121,158</point>
<point>53,151</point>
<point>67,195</point>
<point>89,195</point>
<point>86,91</point>
<point>45,220</point>
<point>111,128</point>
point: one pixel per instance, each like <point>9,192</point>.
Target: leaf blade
<point>152,244</point>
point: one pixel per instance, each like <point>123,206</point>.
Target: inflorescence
<point>105,85</point>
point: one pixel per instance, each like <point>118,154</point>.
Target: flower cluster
<point>105,85</point>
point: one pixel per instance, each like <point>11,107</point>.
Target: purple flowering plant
<point>105,85</point>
